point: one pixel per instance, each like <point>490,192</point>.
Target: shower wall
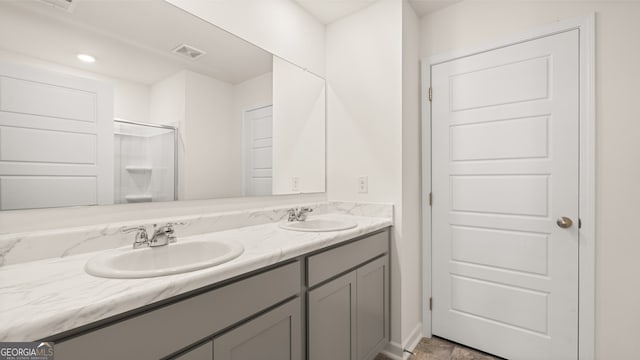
<point>144,163</point>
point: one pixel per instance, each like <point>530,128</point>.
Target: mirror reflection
<point>105,102</point>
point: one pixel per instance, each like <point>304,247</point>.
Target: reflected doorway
<point>258,152</point>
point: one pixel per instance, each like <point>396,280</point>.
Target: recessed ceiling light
<point>86,58</point>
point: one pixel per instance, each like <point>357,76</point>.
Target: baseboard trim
<point>413,339</point>
<point>395,350</point>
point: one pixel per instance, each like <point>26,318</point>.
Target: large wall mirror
<point>108,102</point>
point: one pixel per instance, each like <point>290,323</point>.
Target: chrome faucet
<point>298,214</point>
<point>142,238</point>
<point>162,236</point>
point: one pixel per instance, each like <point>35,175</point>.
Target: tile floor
<point>440,349</point>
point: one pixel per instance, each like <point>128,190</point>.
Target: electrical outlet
<point>295,184</point>
<point>363,184</point>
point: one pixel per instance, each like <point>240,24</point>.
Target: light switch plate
<point>295,184</point>
<point>363,184</point>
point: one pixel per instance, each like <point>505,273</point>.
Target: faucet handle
<point>140,229</point>
<point>142,238</point>
<point>292,215</point>
<point>298,213</point>
<point>303,212</point>
<point>141,233</point>
<point>167,230</point>
<point>168,227</point>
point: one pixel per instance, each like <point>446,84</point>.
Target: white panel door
<point>505,168</point>
<point>259,151</point>
<point>56,139</point>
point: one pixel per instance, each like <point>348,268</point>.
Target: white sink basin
<point>175,258</point>
<point>318,225</point>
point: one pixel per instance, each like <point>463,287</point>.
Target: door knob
<point>564,222</point>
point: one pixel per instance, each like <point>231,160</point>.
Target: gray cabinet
<point>372,286</point>
<point>275,335</point>
<point>262,316</point>
<point>339,260</point>
<point>332,319</point>
<point>167,329</point>
<point>202,352</point>
<point>349,314</point>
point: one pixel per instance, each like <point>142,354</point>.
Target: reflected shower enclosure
<point>145,163</point>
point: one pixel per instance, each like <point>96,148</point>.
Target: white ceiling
<point>328,11</point>
<point>424,7</point>
<point>132,40</point>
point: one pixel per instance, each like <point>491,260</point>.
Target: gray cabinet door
<point>372,286</point>
<point>202,352</point>
<point>147,336</point>
<point>339,260</point>
<point>332,319</point>
<point>276,334</point>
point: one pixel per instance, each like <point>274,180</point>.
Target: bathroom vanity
<point>290,295</point>
<point>340,292</point>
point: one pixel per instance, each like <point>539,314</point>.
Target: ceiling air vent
<point>188,51</point>
<point>66,5</point>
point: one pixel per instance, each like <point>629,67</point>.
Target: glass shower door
<point>145,162</point>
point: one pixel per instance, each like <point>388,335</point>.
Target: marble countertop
<point>42,298</point>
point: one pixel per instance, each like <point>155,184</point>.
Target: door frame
<point>587,169</point>
<point>245,142</point>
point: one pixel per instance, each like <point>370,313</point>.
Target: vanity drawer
<point>161,332</point>
<point>330,263</point>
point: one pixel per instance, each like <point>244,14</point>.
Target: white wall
<point>364,84</point>
<point>298,129</point>
<point>364,130</point>
<point>130,100</point>
<point>168,100</point>
<point>469,24</point>
<point>211,166</point>
<point>281,27</point>
<point>412,303</point>
<point>251,94</point>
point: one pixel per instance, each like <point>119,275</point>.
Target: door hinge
<point>430,94</point>
<point>579,223</point>
<point>430,199</point>
<point>430,304</point>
